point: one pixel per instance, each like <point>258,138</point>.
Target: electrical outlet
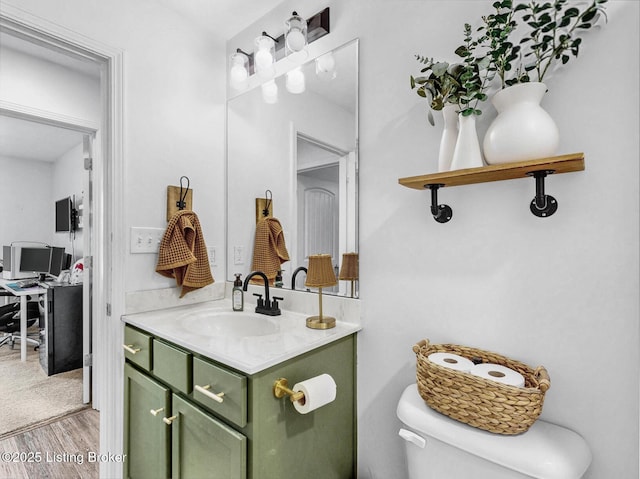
<point>145,240</point>
<point>238,255</point>
<point>212,255</point>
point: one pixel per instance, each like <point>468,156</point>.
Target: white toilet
<point>438,447</point>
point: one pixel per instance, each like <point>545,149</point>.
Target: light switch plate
<point>238,255</point>
<point>145,240</point>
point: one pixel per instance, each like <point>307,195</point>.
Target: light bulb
<point>264,56</point>
<point>296,38</point>
<point>270,92</point>
<point>238,73</point>
<point>263,59</point>
<point>326,66</point>
<point>295,81</point>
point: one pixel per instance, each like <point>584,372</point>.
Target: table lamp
<point>349,269</point>
<point>320,274</point>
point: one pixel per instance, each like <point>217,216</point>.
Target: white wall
<point>68,176</point>
<point>560,291</point>
<point>41,84</point>
<point>174,116</point>
<point>37,84</point>
<point>25,199</point>
<point>28,192</point>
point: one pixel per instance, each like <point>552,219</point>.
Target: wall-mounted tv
<point>65,215</point>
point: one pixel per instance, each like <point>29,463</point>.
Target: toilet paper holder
<point>281,389</point>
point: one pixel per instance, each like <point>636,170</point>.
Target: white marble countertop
<point>250,351</point>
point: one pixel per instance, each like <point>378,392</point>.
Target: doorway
<point>49,159</point>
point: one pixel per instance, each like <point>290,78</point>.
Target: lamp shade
<point>349,268</point>
<point>320,273</point>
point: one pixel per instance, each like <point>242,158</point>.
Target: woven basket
<point>477,401</point>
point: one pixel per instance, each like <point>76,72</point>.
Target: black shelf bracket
<point>542,205</point>
<point>441,213</point>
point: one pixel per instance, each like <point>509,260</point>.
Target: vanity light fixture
<point>295,82</point>
<point>268,50</point>
<point>320,274</point>
<point>265,56</point>
<point>270,92</point>
<point>295,35</point>
<point>239,70</point>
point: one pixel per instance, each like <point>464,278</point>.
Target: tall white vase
<point>449,137</point>
<point>523,130</point>
<point>467,152</point>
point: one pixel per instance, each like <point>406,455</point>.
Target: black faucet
<point>295,273</point>
<point>265,306</point>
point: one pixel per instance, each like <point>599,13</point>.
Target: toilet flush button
<point>412,437</point>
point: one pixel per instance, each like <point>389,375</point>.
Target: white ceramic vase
<point>449,137</point>
<point>467,152</point>
<point>523,130</point>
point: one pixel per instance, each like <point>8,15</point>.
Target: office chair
<point>10,322</point>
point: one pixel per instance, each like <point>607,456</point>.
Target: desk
<point>22,294</point>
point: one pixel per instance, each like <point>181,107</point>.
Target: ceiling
<point>225,18</point>
<point>28,140</point>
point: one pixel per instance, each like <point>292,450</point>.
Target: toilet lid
<point>545,451</point>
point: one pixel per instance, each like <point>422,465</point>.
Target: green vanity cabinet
<point>204,447</point>
<point>147,440</point>
<point>250,434</point>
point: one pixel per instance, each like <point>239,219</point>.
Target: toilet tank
<point>438,447</point>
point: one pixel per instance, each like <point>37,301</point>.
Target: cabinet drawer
<point>172,365</point>
<point>216,380</point>
<point>137,347</point>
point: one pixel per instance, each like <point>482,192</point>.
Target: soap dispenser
<point>237,294</point>
<point>278,282</point>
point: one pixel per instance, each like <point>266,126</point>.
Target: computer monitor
<point>58,261</point>
<point>65,215</point>
<point>35,260</point>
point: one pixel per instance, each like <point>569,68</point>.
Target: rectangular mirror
<point>302,149</point>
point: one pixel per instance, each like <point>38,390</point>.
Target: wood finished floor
<point>65,448</point>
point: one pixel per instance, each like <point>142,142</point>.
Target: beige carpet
<point>29,397</point>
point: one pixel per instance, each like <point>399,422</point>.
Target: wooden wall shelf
<point>507,171</point>
<point>542,205</point>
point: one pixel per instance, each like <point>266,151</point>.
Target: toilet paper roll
<point>451,361</point>
<point>318,391</point>
<point>498,373</point>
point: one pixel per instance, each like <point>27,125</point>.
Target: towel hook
<point>268,197</point>
<point>181,203</point>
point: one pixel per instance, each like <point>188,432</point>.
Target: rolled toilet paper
<point>451,361</point>
<point>318,391</point>
<point>498,373</point>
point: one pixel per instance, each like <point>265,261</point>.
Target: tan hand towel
<point>183,253</point>
<point>269,249</point>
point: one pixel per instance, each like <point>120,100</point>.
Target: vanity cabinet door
<point>147,439</point>
<point>205,447</point>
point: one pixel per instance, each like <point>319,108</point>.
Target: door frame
<point>108,221</point>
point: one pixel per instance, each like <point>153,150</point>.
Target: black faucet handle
<point>260,300</point>
<point>274,304</point>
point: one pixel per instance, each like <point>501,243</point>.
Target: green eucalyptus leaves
<point>517,43</point>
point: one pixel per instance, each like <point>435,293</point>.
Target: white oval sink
<point>228,323</point>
